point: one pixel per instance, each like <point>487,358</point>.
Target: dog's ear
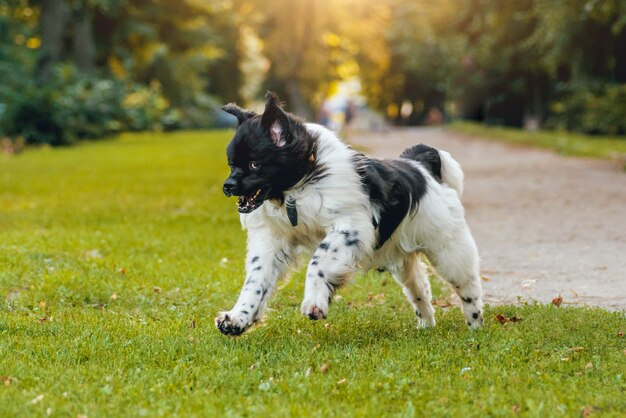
<point>239,113</point>
<point>276,121</point>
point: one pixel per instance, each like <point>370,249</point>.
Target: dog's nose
<point>229,187</point>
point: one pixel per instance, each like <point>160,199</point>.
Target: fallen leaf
<point>342,381</point>
<point>485,278</point>
<point>557,301</point>
<point>516,408</point>
<point>157,289</point>
<point>114,296</point>
<point>589,365</point>
<point>122,270</point>
<point>577,349</point>
<point>308,372</point>
<point>504,319</point>
<point>327,325</point>
<point>253,366</point>
<point>620,334</point>
<point>586,411</point>
<point>6,380</point>
<point>192,324</point>
<point>324,368</point>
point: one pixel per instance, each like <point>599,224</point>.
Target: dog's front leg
<point>331,266</point>
<point>266,263</point>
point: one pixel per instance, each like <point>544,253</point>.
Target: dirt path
<point>545,225</point>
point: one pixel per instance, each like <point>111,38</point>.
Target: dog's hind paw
<point>229,325</point>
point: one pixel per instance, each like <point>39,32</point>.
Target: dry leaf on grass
<point>503,319</point>
<point>586,411</point>
<point>557,301</point>
<point>324,368</point>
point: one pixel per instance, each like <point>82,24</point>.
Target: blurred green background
<point>84,69</point>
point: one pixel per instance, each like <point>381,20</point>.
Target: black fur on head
<point>269,154</point>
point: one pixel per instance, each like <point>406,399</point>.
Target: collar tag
<point>292,212</point>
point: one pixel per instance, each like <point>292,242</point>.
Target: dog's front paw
<point>229,324</point>
<point>313,310</point>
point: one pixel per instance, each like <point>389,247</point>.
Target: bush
<point>34,117</point>
<point>591,110</point>
<point>76,107</point>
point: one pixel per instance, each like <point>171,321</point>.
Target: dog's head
<point>268,154</point>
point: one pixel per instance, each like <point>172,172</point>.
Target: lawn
<point>116,255</point>
<point>566,143</point>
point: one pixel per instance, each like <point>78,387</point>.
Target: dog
<point>301,190</point>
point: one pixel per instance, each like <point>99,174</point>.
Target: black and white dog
<point>303,190</point>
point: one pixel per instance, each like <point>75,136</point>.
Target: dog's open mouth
<point>246,204</point>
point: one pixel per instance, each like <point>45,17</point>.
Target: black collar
<point>292,212</point>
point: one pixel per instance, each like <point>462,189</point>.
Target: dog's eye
<point>253,165</point>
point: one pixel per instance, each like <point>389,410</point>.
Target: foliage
<point>157,68</point>
<point>110,278</point>
<point>75,106</point>
<point>502,61</point>
<point>591,110</point>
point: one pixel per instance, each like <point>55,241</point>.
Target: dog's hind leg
<point>457,262</point>
<point>416,287</point>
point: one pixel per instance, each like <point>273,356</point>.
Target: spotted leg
<point>457,263</point>
<point>416,288</point>
<point>266,263</point>
<point>331,266</point>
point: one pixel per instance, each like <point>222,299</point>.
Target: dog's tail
<point>440,163</point>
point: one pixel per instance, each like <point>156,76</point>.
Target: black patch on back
<point>428,156</point>
<point>396,186</point>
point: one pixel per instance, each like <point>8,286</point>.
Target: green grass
<point>115,256</point>
<point>565,143</point>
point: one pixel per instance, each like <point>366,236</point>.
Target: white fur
<point>335,210</point>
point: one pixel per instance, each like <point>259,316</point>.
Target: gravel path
<point>545,225</point>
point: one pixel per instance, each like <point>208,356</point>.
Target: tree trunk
<point>297,104</point>
<point>54,16</point>
<point>83,42</point>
